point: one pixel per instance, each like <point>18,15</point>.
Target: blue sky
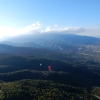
<point>68,16</point>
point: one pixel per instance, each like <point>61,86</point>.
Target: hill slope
<point>58,42</point>
<point>66,80</point>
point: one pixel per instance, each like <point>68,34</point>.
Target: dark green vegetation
<point>75,62</point>
<point>39,90</point>
<point>22,77</point>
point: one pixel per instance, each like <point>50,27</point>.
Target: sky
<point>19,17</point>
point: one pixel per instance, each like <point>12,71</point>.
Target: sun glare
<point>7,31</point>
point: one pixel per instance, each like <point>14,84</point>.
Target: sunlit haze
<point>19,17</point>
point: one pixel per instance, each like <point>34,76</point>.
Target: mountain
<point>49,45</point>
<point>65,38</point>
<point>71,38</point>
<point>57,42</point>
<point>28,51</point>
<point>74,61</point>
<point>46,53</point>
<point>28,44</point>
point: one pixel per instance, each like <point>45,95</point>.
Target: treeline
<point>24,62</point>
<point>42,90</point>
<point>66,80</point>
<point>14,66</point>
<point>61,77</point>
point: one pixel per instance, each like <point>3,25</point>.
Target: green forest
<point>28,78</point>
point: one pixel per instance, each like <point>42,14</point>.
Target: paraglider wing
<point>49,68</point>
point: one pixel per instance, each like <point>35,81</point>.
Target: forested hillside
<point>28,78</point>
<point>50,67</point>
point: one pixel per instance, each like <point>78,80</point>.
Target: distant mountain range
<point>57,42</point>
<point>38,52</point>
<point>64,38</point>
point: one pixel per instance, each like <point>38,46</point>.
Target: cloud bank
<point>37,27</point>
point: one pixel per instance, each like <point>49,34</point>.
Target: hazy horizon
<point>80,17</point>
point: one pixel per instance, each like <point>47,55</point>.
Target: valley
<point>75,70</point>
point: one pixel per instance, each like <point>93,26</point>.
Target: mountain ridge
<point>56,42</point>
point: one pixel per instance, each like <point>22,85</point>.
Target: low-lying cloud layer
<point>37,27</point>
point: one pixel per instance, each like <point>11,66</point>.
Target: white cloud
<point>73,30</point>
<point>31,28</point>
<point>7,31</point>
<point>65,30</point>
<point>10,31</point>
<point>48,29</point>
<point>37,28</point>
